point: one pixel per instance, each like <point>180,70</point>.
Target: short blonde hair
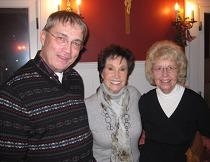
<point>168,50</point>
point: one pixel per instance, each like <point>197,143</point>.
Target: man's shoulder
<point>25,72</point>
<point>71,73</point>
<point>11,87</point>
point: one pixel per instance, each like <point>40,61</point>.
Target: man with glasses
<point>43,117</point>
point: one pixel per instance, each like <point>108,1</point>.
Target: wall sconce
<point>58,4</point>
<point>183,24</point>
<point>78,6</point>
<point>67,5</point>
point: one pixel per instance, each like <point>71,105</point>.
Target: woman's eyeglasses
<point>168,69</point>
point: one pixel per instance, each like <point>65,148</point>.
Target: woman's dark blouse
<point>167,139</point>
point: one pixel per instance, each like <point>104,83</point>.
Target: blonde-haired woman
<point>171,113</point>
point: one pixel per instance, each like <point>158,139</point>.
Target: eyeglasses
<point>63,41</point>
<point>168,69</point>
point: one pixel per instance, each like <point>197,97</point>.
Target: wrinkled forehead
<point>164,62</point>
<point>164,56</point>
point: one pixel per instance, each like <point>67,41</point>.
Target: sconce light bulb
<point>190,8</point>
<point>78,6</point>
<point>176,7</point>
<point>58,2</point>
<point>78,2</point>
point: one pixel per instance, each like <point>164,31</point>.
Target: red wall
<point>151,20</point>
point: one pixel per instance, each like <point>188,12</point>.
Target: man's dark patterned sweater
<point>42,120</point>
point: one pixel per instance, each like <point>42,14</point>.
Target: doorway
<point>207,57</point>
<point>14,40</point>
<point>204,48</point>
<point>18,35</point>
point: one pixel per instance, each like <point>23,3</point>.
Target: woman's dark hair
<point>114,51</point>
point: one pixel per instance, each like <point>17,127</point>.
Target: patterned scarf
<point>115,107</point>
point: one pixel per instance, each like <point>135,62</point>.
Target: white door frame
<point>32,6</point>
<point>204,7</point>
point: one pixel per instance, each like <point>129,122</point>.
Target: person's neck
<point>111,94</point>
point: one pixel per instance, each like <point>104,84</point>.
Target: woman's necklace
<point>117,119</point>
<point>109,120</point>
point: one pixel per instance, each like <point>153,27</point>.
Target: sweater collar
<point>42,66</point>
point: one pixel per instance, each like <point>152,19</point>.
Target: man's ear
<point>42,37</point>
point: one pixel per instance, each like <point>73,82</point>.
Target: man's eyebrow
<point>62,34</point>
<point>78,40</point>
<point>66,36</point>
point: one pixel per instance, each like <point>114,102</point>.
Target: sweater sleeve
<point>14,127</point>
